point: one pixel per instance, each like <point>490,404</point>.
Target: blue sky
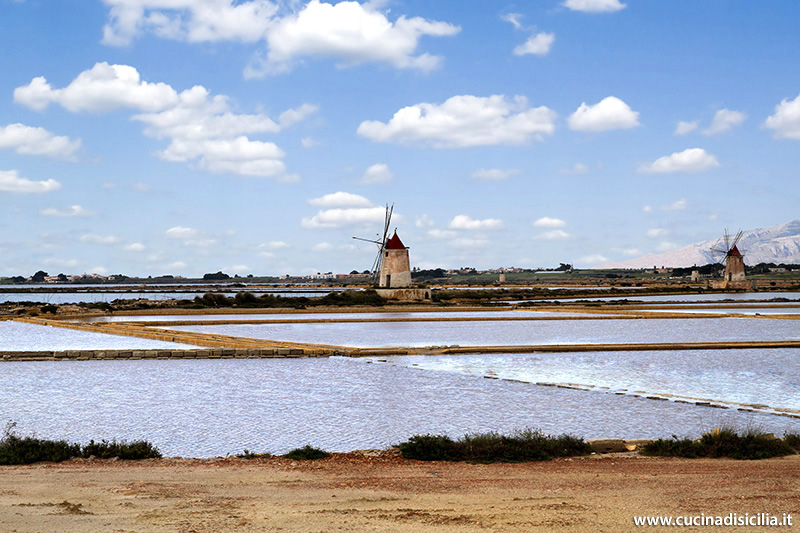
<point>151,137</point>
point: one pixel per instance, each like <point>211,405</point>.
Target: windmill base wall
<point>743,285</point>
<point>405,294</point>
<point>395,269</point>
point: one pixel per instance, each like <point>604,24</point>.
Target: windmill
<point>381,242</point>
<point>725,251</point>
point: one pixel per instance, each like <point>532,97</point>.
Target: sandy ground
<point>356,492</point>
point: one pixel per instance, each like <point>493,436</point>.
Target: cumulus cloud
<point>685,127</point>
<point>135,247</point>
<point>595,6</point>
<point>785,122</point>
<point>92,238</point>
<point>547,222</point>
<point>274,245</point>
<point>610,113</point>
<point>71,211</point>
<point>538,44</point>
<point>351,32</point>
<point>11,182</point>
<point>665,246</point>
<point>200,127</point>
<point>679,205</point>
<point>424,221</point>
<point>578,168</point>
<point>554,235</point>
<point>323,247</point>
<point>465,222</point>
<point>181,233</point>
<point>514,19</point>
<point>655,233</point>
<point>468,243</point>
<point>377,173</point>
<point>102,88</point>
<point>689,161</point>
<point>340,217</point>
<point>592,259</point>
<point>27,140</point>
<point>493,174</point>
<point>464,121</point>
<point>340,199</point>
<point>188,20</point>
<point>724,120</point>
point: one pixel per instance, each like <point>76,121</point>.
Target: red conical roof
<point>734,252</point>
<point>395,243</point>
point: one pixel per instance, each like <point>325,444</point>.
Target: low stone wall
<point>216,353</point>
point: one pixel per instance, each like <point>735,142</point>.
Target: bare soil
<point>379,491</point>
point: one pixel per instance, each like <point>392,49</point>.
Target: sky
<point>181,137</point>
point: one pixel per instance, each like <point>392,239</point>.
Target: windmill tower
<point>391,268</point>
<point>725,251</point>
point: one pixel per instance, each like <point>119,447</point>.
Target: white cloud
<point>538,44</point>
<point>350,32</point>
<point>237,269</point>
<point>655,233</point>
<point>61,263</point>
<point>27,140</point>
<point>188,20</point>
<point>690,160</point>
<point>685,127</point>
<point>595,6</point>
<point>631,252</point>
<point>181,233</point>
<point>466,243</point>
<point>679,205</point>
<point>513,18</point>
<point>198,125</point>
<point>578,168</point>
<point>102,88</point>
<point>554,235</point>
<point>11,182</point>
<point>274,245</point>
<point>71,211</point>
<point>323,247</point>
<point>786,120</point>
<point>465,222</point>
<point>91,238</point>
<point>338,217</point>
<point>493,174</point>
<point>592,259</point>
<point>647,209</point>
<point>177,265</point>
<point>724,120</point>
<point>377,173</point>
<point>464,121</point>
<point>424,222</point>
<point>610,113</point>
<point>547,222</point>
<point>442,234</point>
<point>340,199</point>
<point>135,247</point>
<point>666,246</point>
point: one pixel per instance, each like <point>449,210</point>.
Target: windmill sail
<point>381,242</point>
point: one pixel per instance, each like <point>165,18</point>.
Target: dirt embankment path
<point>353,492</point>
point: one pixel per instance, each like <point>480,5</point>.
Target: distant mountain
<point>776,244</point>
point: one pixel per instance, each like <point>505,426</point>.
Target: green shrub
<point>725,442</point>
<point>793,440</point>
<point>15,450</point>
<point>306,453</point>
<point>138,449</point>
<point>525,445</point>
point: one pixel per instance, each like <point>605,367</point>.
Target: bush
<point>15,450</point>
<point>138,449</point>
<point>793,440</point>
<point>306,453</point>
<point>725,442</point>
<point>526,445</point>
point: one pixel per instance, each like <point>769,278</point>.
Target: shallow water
<point>20,337</point>
<point>205,408</point>
<point>764,376</point>
<point>328,316</point>
<point>62,298</point>
<point>516,333</point>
